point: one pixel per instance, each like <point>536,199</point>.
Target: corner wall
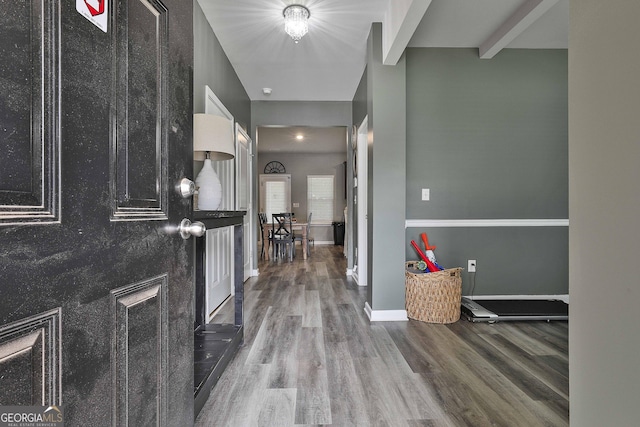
<point>604,206</point>
<point>386,111</point>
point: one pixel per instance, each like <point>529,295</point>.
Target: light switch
<point>296,205</point>
<point>425,194</point>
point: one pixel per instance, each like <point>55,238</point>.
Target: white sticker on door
<point>96,11</point>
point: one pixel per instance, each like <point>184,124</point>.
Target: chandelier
<point>295,21</point>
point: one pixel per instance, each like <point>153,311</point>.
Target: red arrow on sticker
<point>96,7</point>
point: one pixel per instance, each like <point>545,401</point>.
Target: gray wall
<point>212,67</point>
<point>489,139</point>
<point>604,206</point>
<point>299,165</point>
<point>386,111</point>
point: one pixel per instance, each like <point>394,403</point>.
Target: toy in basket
<point>433,294</point>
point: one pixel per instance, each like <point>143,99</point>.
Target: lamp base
<point>210,191</point>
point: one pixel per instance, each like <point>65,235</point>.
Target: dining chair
<point>298,237</point>
<point>262,217</point>
<point>282,236</point>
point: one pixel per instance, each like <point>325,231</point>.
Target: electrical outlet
<point>425,194</point>
<point>471,266</point>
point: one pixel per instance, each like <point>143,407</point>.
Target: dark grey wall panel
<point>510,260</point>
<point>29,100</point>
<point>30,361</point>
<point>138,155</point>
<point>488,137</point>
<point>139,353</point>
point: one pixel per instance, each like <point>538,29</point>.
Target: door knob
<point>188,229</point>
<point>186,188</point>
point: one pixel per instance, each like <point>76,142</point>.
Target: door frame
<point>361,269</point>
<point>246,205</point>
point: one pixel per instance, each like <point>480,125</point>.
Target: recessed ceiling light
<point>266,90</point>
<point>299,137</point>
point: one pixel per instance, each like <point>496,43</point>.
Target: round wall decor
<point>274,167</point>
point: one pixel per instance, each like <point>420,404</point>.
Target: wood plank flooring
<point>311,357</point>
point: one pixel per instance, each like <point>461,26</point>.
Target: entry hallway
<point>311,357</point>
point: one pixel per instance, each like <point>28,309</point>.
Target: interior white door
<point>362,203</point>
<point>243,193</point>
<point>219,276</point>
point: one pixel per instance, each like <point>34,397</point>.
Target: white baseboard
<point>561,297</point>
<point>358,281</point>
<point>349,272</point>
<point>322,242</point>
<point>385,315</point>
<point>255,273</point>
<point>448,223</point>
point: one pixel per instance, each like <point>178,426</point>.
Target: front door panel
<point>96,284</point>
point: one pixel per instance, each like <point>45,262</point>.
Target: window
<point>320,198</point>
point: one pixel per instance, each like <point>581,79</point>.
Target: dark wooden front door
<point>96,284</point>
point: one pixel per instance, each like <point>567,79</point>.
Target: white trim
<point>385,315</point>
<point>561,297</point>
<point>416,223</point>
<point>213,105</point>
<point>323,242</point>
<point>349,272</point>
<point>255,272</point>
<point>358,280</point>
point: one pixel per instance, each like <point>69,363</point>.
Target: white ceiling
<point>327,64</point>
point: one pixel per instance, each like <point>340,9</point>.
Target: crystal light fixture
<point>296,21</point>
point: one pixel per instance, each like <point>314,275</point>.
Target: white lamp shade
<point>213,134</point>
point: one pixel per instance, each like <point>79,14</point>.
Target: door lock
<point>186,188</point>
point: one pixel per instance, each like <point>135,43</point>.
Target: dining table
<point>295,226</point>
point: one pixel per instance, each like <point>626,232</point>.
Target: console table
<point>215,344</point>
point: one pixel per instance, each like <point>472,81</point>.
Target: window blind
<point>320,198</point>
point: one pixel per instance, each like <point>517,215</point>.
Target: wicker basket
<point>433,297</point>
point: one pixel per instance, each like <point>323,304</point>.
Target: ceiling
<point>327,64</point>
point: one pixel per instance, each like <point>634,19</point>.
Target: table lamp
<point>212,140</point>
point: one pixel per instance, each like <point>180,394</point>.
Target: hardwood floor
<point>311,357</point>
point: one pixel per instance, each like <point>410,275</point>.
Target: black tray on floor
<point>514,310</point>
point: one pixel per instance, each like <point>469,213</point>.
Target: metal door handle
<point>188,229</point>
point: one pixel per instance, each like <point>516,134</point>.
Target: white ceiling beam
<point>526,15</point>
<point>400,22</point>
